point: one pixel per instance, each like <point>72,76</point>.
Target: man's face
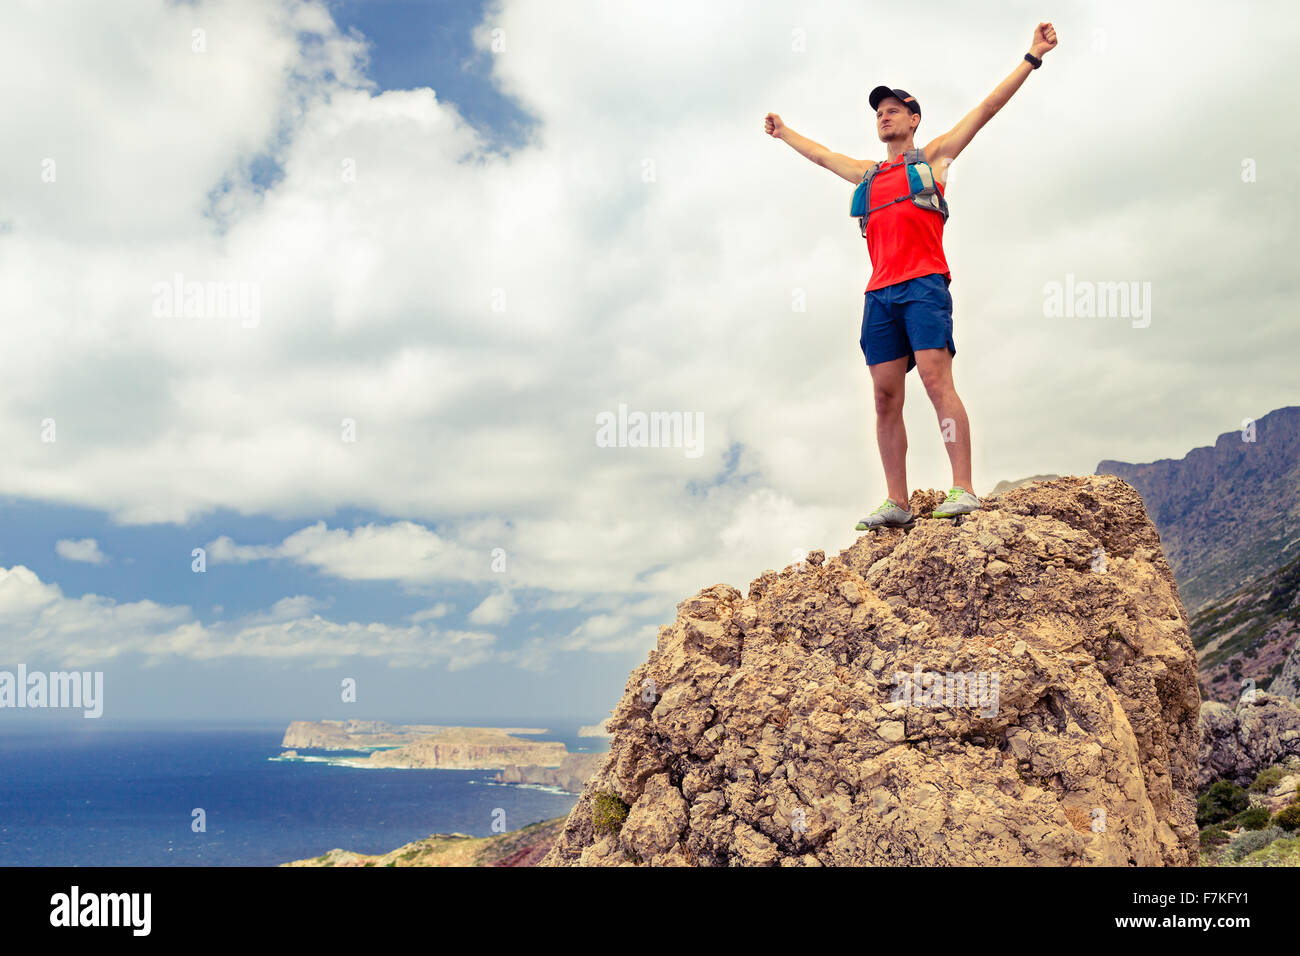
<point>894,121</point>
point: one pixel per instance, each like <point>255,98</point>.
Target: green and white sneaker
<point>959,502</point>
<point>888,515</point>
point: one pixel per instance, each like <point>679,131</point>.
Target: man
<point>907,315</point>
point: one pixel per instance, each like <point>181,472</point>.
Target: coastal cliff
<point>427,745</point>
<point>344,734</point>
<point>569,776</point>
<point>448,753</point>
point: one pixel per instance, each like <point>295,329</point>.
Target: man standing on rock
<point>907,317</point>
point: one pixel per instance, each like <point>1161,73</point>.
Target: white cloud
<point>83,549</point>
<point>495,609</point>
<point>39,623</point>
<point>441,609</point>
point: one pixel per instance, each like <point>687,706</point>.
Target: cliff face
<point>1019,688</point>
<point>1252,635</point>
<point>1227,513</point>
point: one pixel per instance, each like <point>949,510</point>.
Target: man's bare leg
<point>935,368</point>
<point>888,379</point>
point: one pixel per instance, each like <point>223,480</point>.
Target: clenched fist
<point>772,125</point>
<point>1044,39</point>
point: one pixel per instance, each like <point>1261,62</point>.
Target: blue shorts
<point>914,314</point>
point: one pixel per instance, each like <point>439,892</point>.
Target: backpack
<point>920,179</point>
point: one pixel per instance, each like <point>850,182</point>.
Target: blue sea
<point>126,796</point>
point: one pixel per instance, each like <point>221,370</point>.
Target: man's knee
<point>889,402</point>
<point>936,378</point>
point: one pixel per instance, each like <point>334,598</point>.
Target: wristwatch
<point>1034,61</point>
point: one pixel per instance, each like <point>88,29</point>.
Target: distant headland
<point>430,746</point>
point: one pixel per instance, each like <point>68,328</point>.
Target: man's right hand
<point>773,126</point>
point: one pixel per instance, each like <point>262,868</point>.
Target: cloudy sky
<point>422,248</point>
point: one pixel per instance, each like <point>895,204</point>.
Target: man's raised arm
<point>946,147</point>
<point>841,165</point>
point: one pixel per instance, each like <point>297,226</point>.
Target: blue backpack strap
<point>862,196</point>
<point>922,184</point>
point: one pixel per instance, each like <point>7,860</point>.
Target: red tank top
<point>903,240</point>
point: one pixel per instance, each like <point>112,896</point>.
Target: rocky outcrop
<point>1237,742</point>
<point>1228,513</point>
<point>1017,688</point>
<point>570,775</point>
<point>1284,792</point>
<point>593,730</point>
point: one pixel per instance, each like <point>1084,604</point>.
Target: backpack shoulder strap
<point>859,208</point>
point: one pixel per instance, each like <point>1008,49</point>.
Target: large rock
<point>1238,742</point>
<point>769,728</point>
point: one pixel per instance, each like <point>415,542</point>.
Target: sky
<point>316,316</point>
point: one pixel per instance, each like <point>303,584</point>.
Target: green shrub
<point>1288,818</point>
<point>1268,779</point>
<point>1213,836</point>
<point>1221,801</point>
<point>1252,818</point>
<point>608,812</point>
<point>1248,843</point>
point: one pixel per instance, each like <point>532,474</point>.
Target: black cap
<point>880,92</point>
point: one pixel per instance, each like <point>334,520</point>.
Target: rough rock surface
<point>764,728</point>
<point>1238,742</point>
